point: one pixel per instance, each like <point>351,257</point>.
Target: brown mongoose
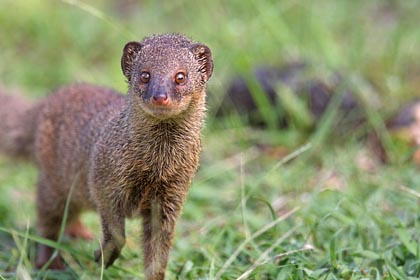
<point>125,156</point>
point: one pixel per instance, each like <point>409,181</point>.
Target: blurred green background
<point>356,218</point>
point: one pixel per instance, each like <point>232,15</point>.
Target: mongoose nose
<point>160,99</point>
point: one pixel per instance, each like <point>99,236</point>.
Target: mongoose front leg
<point>159,220</point>
<point>113,237</point>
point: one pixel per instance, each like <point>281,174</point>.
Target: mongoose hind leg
<point>50,211</point>
<point>49,228</point>
<point>52,225</point>
<point>43,258</point>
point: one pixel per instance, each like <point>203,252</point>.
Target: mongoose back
<point>124,156</point>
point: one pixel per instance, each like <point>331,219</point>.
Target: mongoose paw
<point>110,254</point>
<point>78,230</point>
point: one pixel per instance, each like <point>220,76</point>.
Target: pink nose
<point>161,100</point>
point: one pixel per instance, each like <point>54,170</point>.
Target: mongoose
<point>124,156</point>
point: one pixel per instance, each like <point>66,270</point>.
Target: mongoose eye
<point>180,78</point>
<point>145,77</point>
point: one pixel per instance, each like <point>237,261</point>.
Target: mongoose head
<point>166,74</point>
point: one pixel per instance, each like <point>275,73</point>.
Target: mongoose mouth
<point>162,109</point>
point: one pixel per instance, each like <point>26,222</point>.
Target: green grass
<point>265,204</point>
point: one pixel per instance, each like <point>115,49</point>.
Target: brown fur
<point>124,155</point>
<point>17,122</point>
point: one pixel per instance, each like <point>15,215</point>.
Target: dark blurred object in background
<point>311,90</point>
<point>404,132</point>
<point>408,116</point>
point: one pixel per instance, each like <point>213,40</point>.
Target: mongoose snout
<point>159,92</point>
<point>160,98</point>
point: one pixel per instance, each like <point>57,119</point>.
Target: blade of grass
<point>263,257</point>
<point>63,223</point>
<point>295,107</point>
<point>289,157</point>
<point>22,273</point>
<point>410,191</point>
<point>102,260</point>
<point>22,254</point>
<point>38,239</point>
<point>100,15</point>
<point>264,105</point>
<point>394,270</point>
<point>406,239</point>
<point>243,199</point>
<point>252,237</point>
<point>261,261</point>
<point>260,179</point>
<point>212,269</point>
<point>333,256</point>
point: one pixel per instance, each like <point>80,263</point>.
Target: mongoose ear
<point>203,54</point>
<point>131,49</point>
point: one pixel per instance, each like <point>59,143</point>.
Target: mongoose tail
<point>17,124</point>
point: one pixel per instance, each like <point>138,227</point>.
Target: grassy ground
<point>265,204</point>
